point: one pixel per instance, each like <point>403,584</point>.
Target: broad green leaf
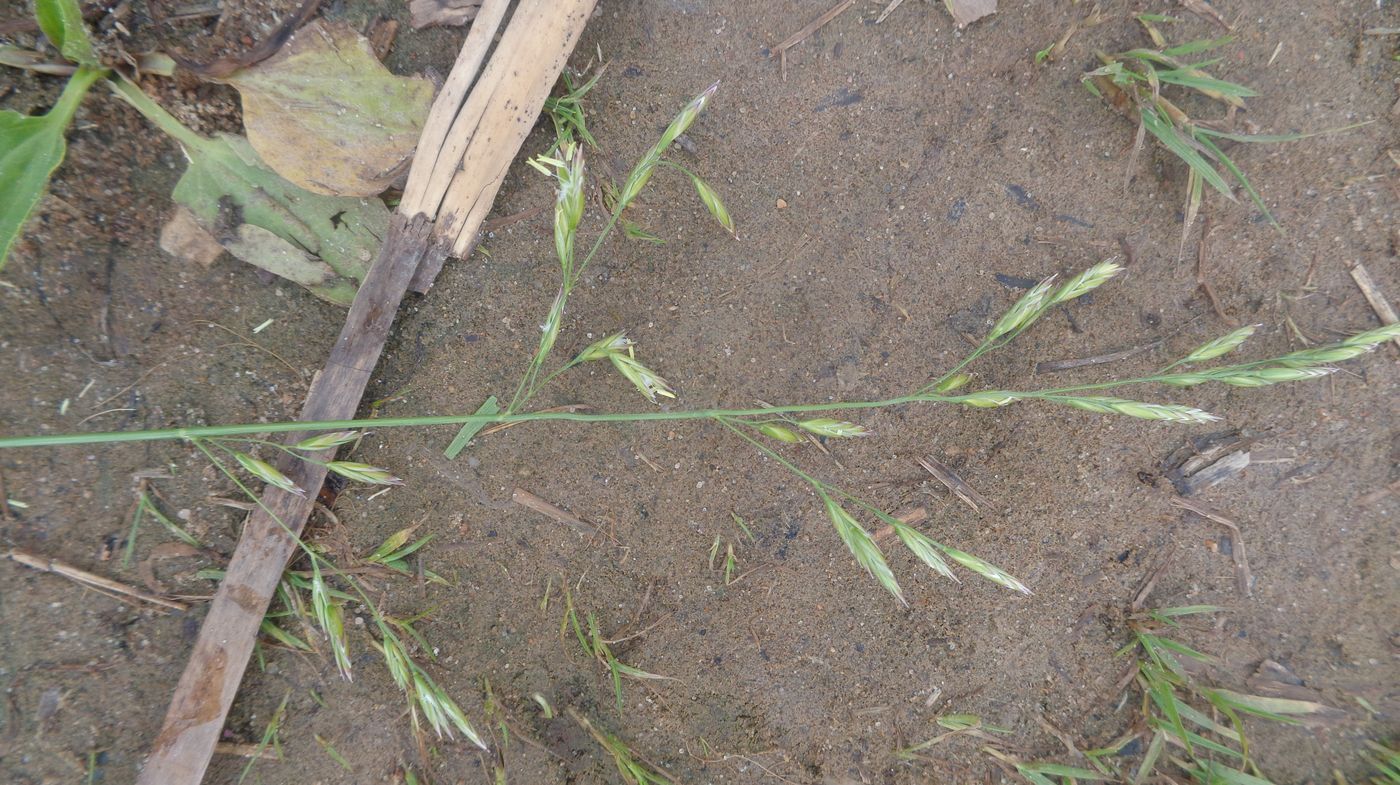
<point>227,186</point>
<point>31,148</point>
<point>325,114</point>
<point>325,243</point>
<point>62,23</point>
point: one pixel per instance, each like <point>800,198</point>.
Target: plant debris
<point>325,114</point>
<point>441,13</point>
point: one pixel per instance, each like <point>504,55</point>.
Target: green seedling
<point>1133,82</point>
<point>634,769</point>
<point>270,738</point>
<point>596,646</point>
<point>953,726</point>
<point>566,111</point>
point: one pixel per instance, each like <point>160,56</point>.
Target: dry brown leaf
<point>441,13</point>
<point>326,115</point>
<point>183,238</point>
<point>965,12</point>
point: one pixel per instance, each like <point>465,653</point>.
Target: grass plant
<point>1135,82</point>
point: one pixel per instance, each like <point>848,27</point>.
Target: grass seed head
<point>825,426</point>
<point>644,169</point>
<point>643,378</point>
<point>952,383</point>
<point>989,399</point>
<point>1024,311</point>
<point>568,206</point>
<point>779,432</point>
<point>923,548</point>
<point>331,619</point>
<point>710,198</point>
<point>607,347</point>
<point>990,572</point>
<point>1086,282</point>
<point>363,472</point>
<point>1373,338</point>
<point>264,471</point>
<point>1143,411</point>
<point>326,441</point>
<point>862,546</point>
<point>1262,377</point>
<point>1220,346</point>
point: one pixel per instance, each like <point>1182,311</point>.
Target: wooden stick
<point>202,698</point>
<point>77,575</point>
<point>1374,296</point>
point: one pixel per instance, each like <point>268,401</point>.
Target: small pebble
<point>782,204</point>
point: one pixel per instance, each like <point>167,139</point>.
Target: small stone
<point>782,204</point>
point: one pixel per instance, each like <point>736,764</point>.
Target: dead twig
<point>954,483</point>
<point>90,580</point>
<point>1374,296</point>
<point>1066,365</point>
<point>780,51</point>
<point>1201,279</point>
<point>1243,579</point>
<point>530,501</point>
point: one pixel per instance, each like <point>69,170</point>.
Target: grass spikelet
<point>713,203</point>
<point>825,426</point>
<point>326,441</point>
<point>1143,411</point>
<point>1085,282</point>
<point>1025,311</point>
<point>331,618</point>
<point>922,547</point>
<point>363,472</point>
<point>1262,377</point>
<point>862,546</point>
<point>989,399</point>
<point>264,471</point>
<point>989,571</point>
<point>605,348</point>
<point>1220,346</point>
<point>779,433</point>
<point>643,378</point>
<point>644,169</point>
<point>568,204</point>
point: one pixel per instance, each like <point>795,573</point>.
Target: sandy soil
<point>890,194</point>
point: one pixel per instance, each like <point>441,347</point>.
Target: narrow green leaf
<point>1193,47</point>
<point>1168,135</point>
<point>1239,175</point>
<point>471,429</point>
<point>283,637</point>
<point>1220,774</point>
<point>1060,770</point>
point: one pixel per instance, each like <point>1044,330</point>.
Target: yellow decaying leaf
<point>325,114</point>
